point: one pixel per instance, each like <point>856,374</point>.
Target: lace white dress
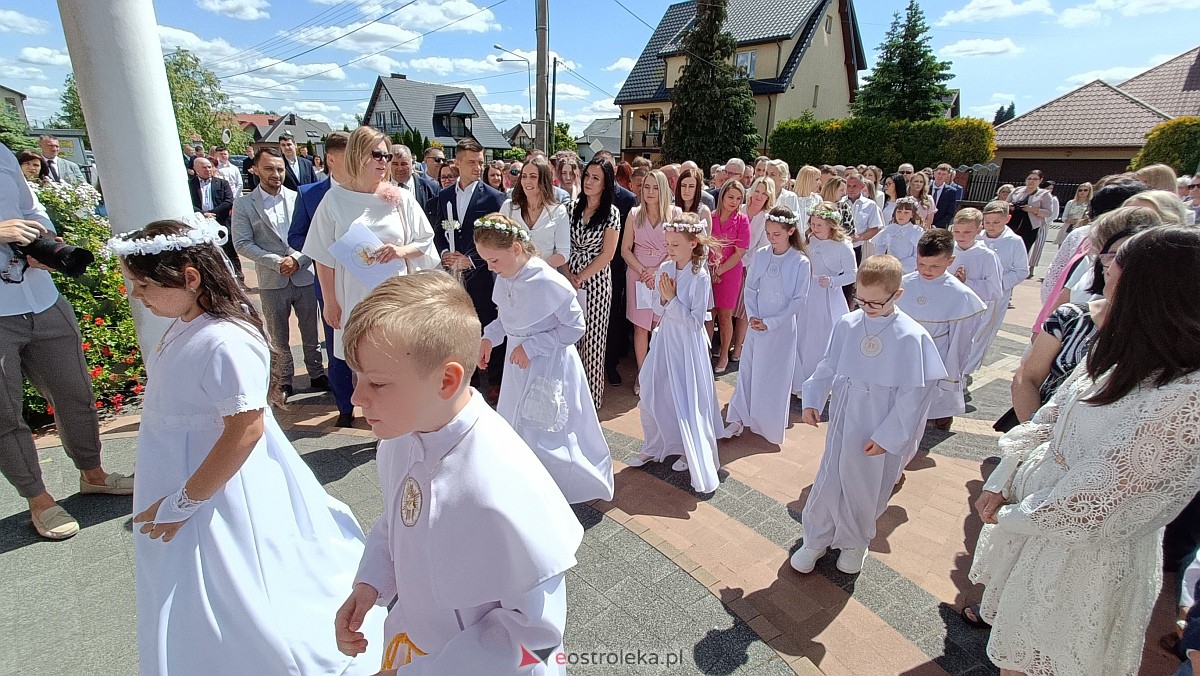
<point>1073,566</point>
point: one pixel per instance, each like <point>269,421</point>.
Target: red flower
<point>117,399</point>
<point>96,372</point>
<point>121,288</point>
<point>99,404</point>
<point>50,410</point>
<point>87,318</point>
<point>129,360</point>
<point>99,321</point>
<point>137,389</point>
<point>105,351</point>
<point>87,346</point>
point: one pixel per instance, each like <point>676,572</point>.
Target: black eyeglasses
<point>439,160</point>
<point>1194,186</point>
<point>379,155</point>
<point>874,305</point>
<point>904,172</point>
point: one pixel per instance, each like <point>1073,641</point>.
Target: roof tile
<point>417,99</point>
<point>1096,114</point>
<point>1173,87</point>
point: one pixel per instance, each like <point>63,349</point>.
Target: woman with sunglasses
<point>1074,513</point>
<point>1075,213</point>
<point>364,197</point>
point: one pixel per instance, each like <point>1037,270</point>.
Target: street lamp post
<point>528,76</point>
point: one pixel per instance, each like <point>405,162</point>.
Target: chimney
<point>292,119</point>
<point>399,76</point>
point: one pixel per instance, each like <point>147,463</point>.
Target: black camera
<point>72,261</point>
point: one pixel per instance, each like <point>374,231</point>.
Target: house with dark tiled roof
<point>798,54</point>
<point>604,133</point>
<point>265,130</point>
<point>521,135</point>
<point>440,112</point>
<point>14,98</point>
<point>1096,130</point>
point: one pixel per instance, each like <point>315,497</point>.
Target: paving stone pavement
<point>701,580</point>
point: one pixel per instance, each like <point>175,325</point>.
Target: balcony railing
<point>642,139</point>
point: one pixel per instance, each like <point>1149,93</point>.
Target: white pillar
<point>122,87</point>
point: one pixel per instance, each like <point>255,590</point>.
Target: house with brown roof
<point>1096,130</point>
<point>798,55</point>
<point>265,130</point>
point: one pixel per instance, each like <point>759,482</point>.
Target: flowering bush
<point>98,296</point>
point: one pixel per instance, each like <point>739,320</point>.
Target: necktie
<point>53,170</point>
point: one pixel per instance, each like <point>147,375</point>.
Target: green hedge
<point>1174,142</point>
<point>887,144</point>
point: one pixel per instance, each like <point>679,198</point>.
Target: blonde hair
<point>665,200</point>
<point>996,207</point>
<point>881,270</point>
<point>1091,191</point>
<point>969,215</point>
<point>808,180</point>
<point>1157,176</point>
<point>1122,218</point>
<point>771,195</point>
<point>731,184</point>
<point>495,238</point>
<point>829,193</point>
<point>1166,203</point>
<point>428,316</point>
<point>358,150</point>
<point>923,198</point>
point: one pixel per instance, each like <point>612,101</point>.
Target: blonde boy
<point>881,367</point>
<point>977,266</point>
<point>1014,267</point>
<point>475,537</point>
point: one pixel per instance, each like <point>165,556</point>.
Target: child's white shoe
<point>851,561</point>
<point>734,429</point>
<point>805,560</point>
<point>639,460</point>
<point>680,465</point>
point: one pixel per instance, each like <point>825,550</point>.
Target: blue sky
<point>1027,51</point>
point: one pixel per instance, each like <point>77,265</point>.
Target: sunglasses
<point>1194,186</point>
<point>439,160</point>
<point>514,172</point>
<point>905,173</point>
<point>379,155</point>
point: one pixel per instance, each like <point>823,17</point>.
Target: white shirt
<point>866,215</point>
<point>462,199</point>
<point>275,206</point>
<point>551,233</point>
<point>295,165</point>
<point>37,292</point>
<point>233,175</point>
<point>410,184</point>
<point>206,200</point>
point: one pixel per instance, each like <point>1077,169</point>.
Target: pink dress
<point>650,248</point>
<point>734,232</point>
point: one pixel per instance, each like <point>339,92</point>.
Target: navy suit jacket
<point>307,174</point>
<point>946,206</point>
<point>306,205</point>
<point>478,280</point>
<point>426,192</point>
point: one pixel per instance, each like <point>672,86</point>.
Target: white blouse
<point>551,233</point>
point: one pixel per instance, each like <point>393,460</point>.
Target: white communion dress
<point>251,582</point>
<point>825,305</point>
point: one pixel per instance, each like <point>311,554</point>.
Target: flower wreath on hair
<point>500,226</point>
<point>793,221</point>
<point>684,226</point>
<point>827,214</point>
<point>200,230</point>
<point>910,201</point>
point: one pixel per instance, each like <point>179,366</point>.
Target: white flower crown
<point>201,231</point>
<point>784,219</point>
<point>829,215</point>
<point>684,226</point>
<point>912,201</point>
<point>500,226</point>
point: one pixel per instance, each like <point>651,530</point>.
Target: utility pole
<point>553,108</point>
<point>543,55</point>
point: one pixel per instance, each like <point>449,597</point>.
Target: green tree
<point>562,137</point>
<point>908,82</point>
<point>71,115</point>
<point>1174,142</point>
<point>14,133</point>
<point>712,107</point>
<point>1004,114</point>
<point>513,154</point>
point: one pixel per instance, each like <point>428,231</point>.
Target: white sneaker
<point>851,561</point>
<point>639,460</point>
<point>680,465</point>
<point>805,560</point>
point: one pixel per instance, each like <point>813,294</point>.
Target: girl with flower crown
<point>544,394</point>
<point>776,288</point>
<point>679,410</point>
<point>833,269</point>
<point>241,557</point>
<point>900,236</point>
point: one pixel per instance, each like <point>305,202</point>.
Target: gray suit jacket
<point>257,239</point>
<point>68,171</point>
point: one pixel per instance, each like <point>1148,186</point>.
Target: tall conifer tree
<point>908,81</point>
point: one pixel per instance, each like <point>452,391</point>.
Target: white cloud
<point>41,92</point>
<point>624,64</point>
<point>44,56</point>
<point>1084,15</point>
<point>551,55</point>
<point>16,22</point>
<point>1102,11</point>
<point>1115,74</point>
<point>206,49</point>
<point>424,15</point>
<point>505,115</point>
<point>442,65</point>
<point>991,10</point>
<point>602,108</point>
<point>313,71</point>
<point>617,85</point>
<point>379,63</point>
<point>315,107</point>
<point>247,10</point>
<point>981,47</point>
<point>374,37</point>
<point>570,91</point>
<point>988,110</point>
<point>15,72</point>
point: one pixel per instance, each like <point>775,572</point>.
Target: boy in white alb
<point>947,309</point>
<point>475,537</point>
<point>1014,266</point>
<point>882,368</point>
<point>976,266</point>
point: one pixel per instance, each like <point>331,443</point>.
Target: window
<point>746,62</point>
<point>11,101</point>
<point>654,123</point>
<point>816,95</point>
<point>381,119</point>
<point>829,24</point>
<point>395,118</point>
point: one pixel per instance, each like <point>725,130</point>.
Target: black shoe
<point>320,383</point>
<point>614,378</point>
<point>286,390</point>
<point>344,420</point>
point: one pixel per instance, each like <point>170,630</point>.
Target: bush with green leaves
<point>1175,143</point>
<point>98,296</point>
<point>887,144</point>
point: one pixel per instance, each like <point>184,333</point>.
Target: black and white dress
<point>587,243</point>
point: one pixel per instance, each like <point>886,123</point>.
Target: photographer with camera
<point>40,339</point>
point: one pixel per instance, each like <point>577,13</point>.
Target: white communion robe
<point>776,289</point>
<point>251,582</point>
<point>678,407</point>
<point>899,241</point>
<point>882,398</point>
<point>1014,268</point>
<point>825,305</point>
<point>474,543</point>
<point>549,403</point>
<point>986,279</point>
<point>945,307</point>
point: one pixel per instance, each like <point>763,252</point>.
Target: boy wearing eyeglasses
<point>949,311</point>
<point>881,367</point>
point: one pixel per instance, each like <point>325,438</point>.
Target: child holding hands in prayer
<point>833,270</point>
<point>678,407</point>
<point>881,367</point>
<point>899,238</point>
<point>1014,266</point>
<point>978,267</point>
<point>475,537</point>
<point>776,289</point>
